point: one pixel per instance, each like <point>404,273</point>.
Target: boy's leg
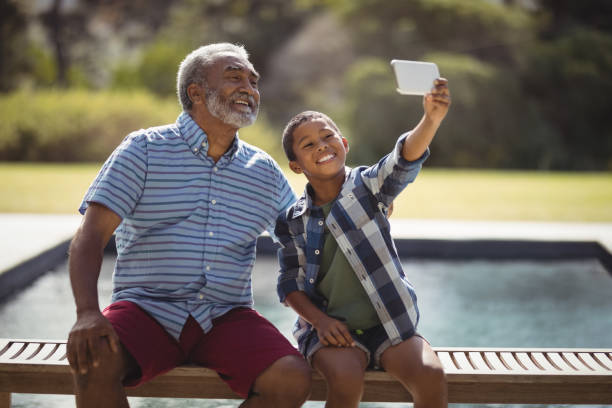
<point>255,359</point>
<point>145,351</point>
<point>343,370</point>
<point>414,363</point>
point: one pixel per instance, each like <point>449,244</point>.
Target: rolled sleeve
<point>387,178</point>
<point>291,274</point>
<point>120,182</point>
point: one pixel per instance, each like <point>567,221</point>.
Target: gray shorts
<point>373,342</point>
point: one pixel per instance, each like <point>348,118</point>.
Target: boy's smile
<point>319,149</point>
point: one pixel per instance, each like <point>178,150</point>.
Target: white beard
<point>221,109</point>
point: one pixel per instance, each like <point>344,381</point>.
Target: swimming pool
<point>467,303</point>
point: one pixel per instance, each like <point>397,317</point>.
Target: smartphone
<point>414,77</point>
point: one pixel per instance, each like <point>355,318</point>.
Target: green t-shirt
<point>337,282</point>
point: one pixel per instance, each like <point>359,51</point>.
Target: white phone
<point>414,77</point>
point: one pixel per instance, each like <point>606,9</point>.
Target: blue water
<point>475,303</point>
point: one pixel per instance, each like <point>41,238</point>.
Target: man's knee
<point>287,379</point>
<point>112,368</point>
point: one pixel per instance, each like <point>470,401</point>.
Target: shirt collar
<point>304,203</point>
<point>196,138</point>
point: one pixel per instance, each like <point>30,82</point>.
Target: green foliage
<point>375,114</point>
<point>81,126</point>
<point>75,125</point>
<point>570,79</point>
<point>155,70</point>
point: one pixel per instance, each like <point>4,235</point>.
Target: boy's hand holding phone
<point>423,78</point>
<point>436,102</point>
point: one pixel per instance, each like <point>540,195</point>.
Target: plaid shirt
<point>358,222</point>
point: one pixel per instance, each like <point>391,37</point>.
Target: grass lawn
<point>437,193</point>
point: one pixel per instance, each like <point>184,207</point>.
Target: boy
<point>339,267</point>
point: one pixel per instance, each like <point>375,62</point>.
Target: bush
<point>75,125</point>
<point>71,126</point>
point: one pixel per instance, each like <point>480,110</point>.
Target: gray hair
<point>193,68</point>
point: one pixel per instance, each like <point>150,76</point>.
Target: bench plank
<point>475,375</point>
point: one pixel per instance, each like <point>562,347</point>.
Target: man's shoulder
<point>251,154</point>
<point>158,133</point>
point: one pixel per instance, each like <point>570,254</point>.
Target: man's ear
<point>295,167</point>
<point>345,143</point>
<point>196,94</point>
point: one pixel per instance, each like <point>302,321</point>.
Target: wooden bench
<point>475,375</point>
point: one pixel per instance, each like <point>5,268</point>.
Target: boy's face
<point>320,151</point>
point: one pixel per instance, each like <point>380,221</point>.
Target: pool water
<point>471,303</point>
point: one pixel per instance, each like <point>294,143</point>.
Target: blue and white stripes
<point>186,244</point>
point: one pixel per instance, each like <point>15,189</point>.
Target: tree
<point>13,61</point>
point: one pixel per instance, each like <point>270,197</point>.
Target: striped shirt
<point>186,243</point>
<point>358,221</point>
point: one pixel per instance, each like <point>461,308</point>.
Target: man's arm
<point>435,105</point>
<point>86,251</point>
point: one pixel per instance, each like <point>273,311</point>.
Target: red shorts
<point>240,346</point>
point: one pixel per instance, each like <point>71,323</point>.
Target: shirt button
<point>350,196</point>
<point>211,233</point>
<point>215,169</point>
<point>311,280</point>
<point>203,144</point>
<point>195,149</point>
<point>208,267</point>
<point>317,252</point>
<point>214,202</point>
<point>201,296</point>
<point>320,222</point>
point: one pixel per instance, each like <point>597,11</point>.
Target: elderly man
<point>186,202</point>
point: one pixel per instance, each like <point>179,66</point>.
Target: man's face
<point>232,94</point>
<point>320,151</point>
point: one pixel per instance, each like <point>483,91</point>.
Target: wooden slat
<point>461,358</point>
<point>586,357</point>
<point>477,359</point>
<point>511,360</point>
<point>5,398</point>
<point>526,360</point>
<point>511,376</point>
<point>47,350</point>
<point>493,359</point>
<point>573,359</point>
<point>446,361</point>
<point>30,350</point>
<point>13,350</point>
<point>560,362</point>
<point>604,360</point>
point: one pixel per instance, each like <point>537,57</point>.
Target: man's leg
<point>146,350</point>
<point>102,385</point>
<point>286,383</point>
<point>255,359</point>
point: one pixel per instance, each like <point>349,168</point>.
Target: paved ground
<point>25,236</point>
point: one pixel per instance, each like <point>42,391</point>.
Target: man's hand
<point>90,332</point>
<point>333,332</point>
<point>436,102</point>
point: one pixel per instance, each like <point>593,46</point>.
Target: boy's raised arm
<point>435,105</point>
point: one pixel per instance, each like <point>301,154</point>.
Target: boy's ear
<point>295,167</point>
<point>345,143</point>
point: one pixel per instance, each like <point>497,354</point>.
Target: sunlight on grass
<point>44,188</point>
<point>502,195</point>
<point>436,194</point>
